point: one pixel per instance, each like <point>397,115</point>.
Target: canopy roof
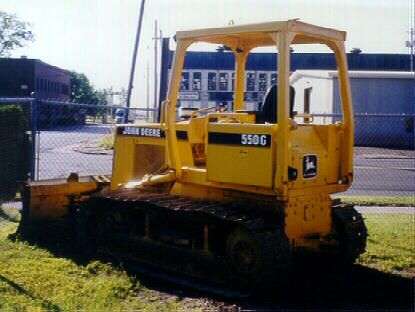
<point>255,35</point>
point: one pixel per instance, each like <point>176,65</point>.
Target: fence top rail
<point>16,100</point>
<point>364,115</point>
<point>54,102</point>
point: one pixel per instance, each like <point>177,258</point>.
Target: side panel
<point>138,150</point>
<point>306,216</point>
<point>240,154</point>
<point>316,146</point>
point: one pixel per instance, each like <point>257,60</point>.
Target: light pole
<point>137,40</point>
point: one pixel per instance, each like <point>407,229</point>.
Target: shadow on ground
<point>311,287</point>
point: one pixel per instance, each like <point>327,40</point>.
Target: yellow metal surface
<point>50,199</point>
<point>308,215</point>
<point>256,34</point>
<point>242,39</point>
<point>220,155</point>
<point>136,156</point>
<point>226,170</point>
<point>238,164</point>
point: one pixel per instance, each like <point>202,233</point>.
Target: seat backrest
<point>269,107</point>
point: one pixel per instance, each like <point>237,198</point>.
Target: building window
<point>250,82</point>
<point>233,81</point>
<point>223,81</point>
<point>307,100</point>
<point>262,82</point>
<point>184,85</point>
<point>212,81</point>
<point>273,79</point>
<point>197,81</point>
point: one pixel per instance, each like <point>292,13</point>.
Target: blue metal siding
<point>382,96</point>
<point>268,61</point>
<point>379,96</point>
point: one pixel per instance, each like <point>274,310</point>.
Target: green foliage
<point>391,242</point>
<point>107,142</point>
<point>13,33</point>
<point>82,90</point>
<point>14,150</point>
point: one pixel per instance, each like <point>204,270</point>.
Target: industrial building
<point>19,77</point>
<point>381,85</point>
<point>383,101</point>
<point>208,77</point>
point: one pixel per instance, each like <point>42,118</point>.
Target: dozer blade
<point>50,199</point>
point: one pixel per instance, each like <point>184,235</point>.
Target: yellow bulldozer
<point>229,195</point>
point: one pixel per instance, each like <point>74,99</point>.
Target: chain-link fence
<point>46,139</point>
<point>78,137</point>
<point>384,160</point>
<point>65,137</point>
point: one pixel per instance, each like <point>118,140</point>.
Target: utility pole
<point>412,36</point>
<point>156,38</point>
<point>147,91</point>
<point>411,42</point>
<point>132,72</point>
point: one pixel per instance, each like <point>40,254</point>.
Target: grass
<point>404,201</point>
<point>391,242</point>
<point>107,142</point>
<point>32,279</point>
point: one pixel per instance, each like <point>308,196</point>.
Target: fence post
<point>33,133</point>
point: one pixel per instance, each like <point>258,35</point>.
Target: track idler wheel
<point>351,233</point>
<point>257,259</point>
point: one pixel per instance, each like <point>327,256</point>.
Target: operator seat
<point>267,113</point>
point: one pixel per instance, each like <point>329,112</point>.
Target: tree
<point>102,96</point>
<point>13,33</point>
<point>81,89</point>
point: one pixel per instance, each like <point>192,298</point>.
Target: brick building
<point>19,77</point>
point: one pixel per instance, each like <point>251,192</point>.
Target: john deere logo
<point>309,166</point>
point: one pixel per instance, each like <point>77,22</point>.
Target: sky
<point>96,37</point>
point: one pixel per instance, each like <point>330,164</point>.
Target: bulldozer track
<point>218,215</point>
<point>351,231</point>
<point>174,263</point>
<point>246,216</point>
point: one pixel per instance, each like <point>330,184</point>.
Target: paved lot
<point>377,171</point>
<point>381,171</point>
<point>58,156</point>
